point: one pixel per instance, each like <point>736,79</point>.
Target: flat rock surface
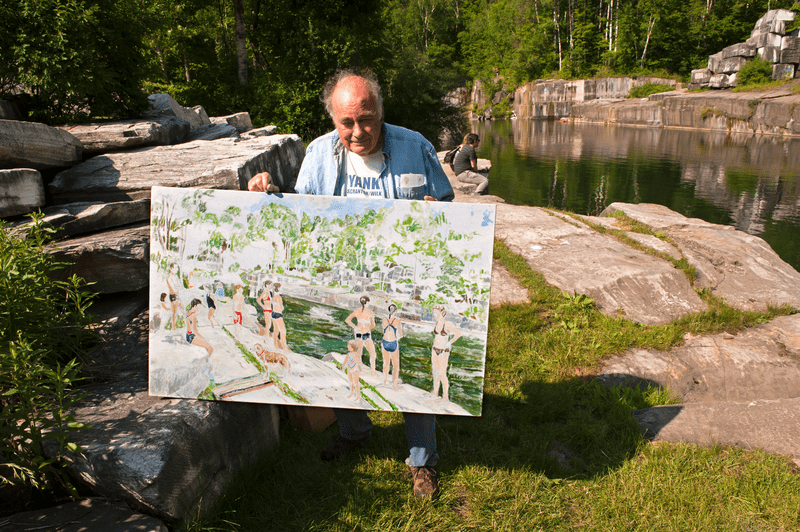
<point>578,259</point>
<point>37,146</point>
<point>740,268</point>
<point>222,164</point>
<point>762,362</point>
<point>115,135</point>
<point>770,425</point>
<point>93,514</point>
<point>506,288</point>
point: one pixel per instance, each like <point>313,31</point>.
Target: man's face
<point>356,116</point>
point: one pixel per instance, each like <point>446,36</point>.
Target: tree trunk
<point>241,41</point>
<point>186,68</point>
<point>647,41</point>
<point>163,65</point>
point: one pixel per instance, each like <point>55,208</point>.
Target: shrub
<point>754,72</point>
<point>42,329</point>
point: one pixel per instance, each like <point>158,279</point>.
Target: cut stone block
<point>790,56</point>
<point>213,132</point>
<point>241,121</point>
<point>165,105</point>
<point>701,76</point>
<point>103,137</point>
<point>719,81</point>
<point>115,261</point>
<point>738,50</point>
<point>714,61</point>
<point>783,71</point>
<point>21,191</point>
<point>770,53</point>
<point>37,146</point>
<point>222,164</point>
<point>170,458</point>
<point>731,65</point>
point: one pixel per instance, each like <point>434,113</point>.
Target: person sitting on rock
<point>465,164</point>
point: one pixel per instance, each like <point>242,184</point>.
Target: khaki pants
<point>468,176</point>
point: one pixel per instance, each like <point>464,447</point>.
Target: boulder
<point>115,135</point>
<point>213,132</point>
<point>578,259</point>
<point>37,146</point>
<point>201,114</point>
<point>241,121</point>
<point>115,261</point>
<point>21,191</point>
<point>223,164</point>
<point>164,105</point>
<point>740,268</point>
<point>170,458</point>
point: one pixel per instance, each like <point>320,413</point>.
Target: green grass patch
<point>553,450</point>
<point>645,90</point>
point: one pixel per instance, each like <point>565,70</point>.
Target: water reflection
<point>747,181</point>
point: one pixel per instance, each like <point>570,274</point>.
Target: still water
<point>749,182</point>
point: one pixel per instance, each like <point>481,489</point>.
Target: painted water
<point>746,181</point>
<point>313,329</point>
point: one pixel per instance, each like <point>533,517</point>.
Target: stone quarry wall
<point>769,40</point>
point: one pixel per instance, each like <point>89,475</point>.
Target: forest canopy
<point>89,59</point>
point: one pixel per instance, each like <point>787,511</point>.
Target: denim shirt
<point>411,169</point>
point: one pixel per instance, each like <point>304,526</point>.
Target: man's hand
<point>430,198</point>
<point>262,183</point>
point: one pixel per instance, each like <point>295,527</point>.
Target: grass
<point>646,89</point>
<point>553,450</point>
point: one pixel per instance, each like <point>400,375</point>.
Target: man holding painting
<point>365,157</point>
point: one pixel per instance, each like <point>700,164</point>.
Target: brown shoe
<point>340,446</point>
<point>425,483</point>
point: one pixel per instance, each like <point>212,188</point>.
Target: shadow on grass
<point>547,432</point>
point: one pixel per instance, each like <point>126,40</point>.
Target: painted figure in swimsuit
<point>444,336</point>
<point>266,307</point>
<point>211,303</point>
<point>193,335</point>
<point>278,326</point>
<point>172,284</point>
<point>365,322</point>
<point>392,332</point>
<point>238,309</point>
<point>352,365</point>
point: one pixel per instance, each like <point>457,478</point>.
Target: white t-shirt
<point>363,175</point>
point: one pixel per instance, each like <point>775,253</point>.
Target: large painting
<point>324,301</point>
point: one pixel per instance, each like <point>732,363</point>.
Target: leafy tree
<point>76,58</point>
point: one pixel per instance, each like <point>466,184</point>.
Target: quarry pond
<point>749,182</point>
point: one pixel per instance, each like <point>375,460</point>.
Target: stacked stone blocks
<point>769,41</point>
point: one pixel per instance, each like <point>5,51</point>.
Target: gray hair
<point>344,73</point>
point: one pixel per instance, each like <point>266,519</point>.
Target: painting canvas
<point>324,301</point>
